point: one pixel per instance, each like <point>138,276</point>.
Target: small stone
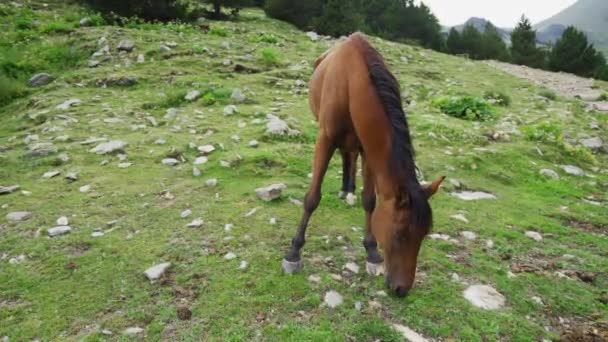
<point>436,236</point>
<point>160,141</point>
<point>484,296</point>
<point>313,36</point>
<point>333,299</point>
<point>358,306</point>
<point>238,96</point>
<point>276,126</point>
<point>270,192</point>
<point>206,149</point>
<point>472,195</point>
<point>594,144</point>
<point>124,165</point>
<point>183,313</point>
<point>537,300</point>
<point>200,160</point>
<point>192,95</point>
<point>39,80</point>
<point>84,188</point>
<point>489,244</point>
<point>71,176</point>
<point>109,147</point>
<point>19,216</point>
<point>230,110</point>
<point>85,22</point>
<point>8,189</point>
<point>126,45</point>
<point>352,267</point>
<point>62,221</point>
<point>196,172</point>
<point>60,230</point>
<point>50,174</point>
<point>211,182</point>
<point>534,236</point>
<point>107,332</point>
<point>455,278</point>
<point>243,265</point>
<point>469,235</point>
<point>228,227</point>
<point>170,161</point>
<point>141,59</point>
<point>313,278</point>
<point>196,223</point>
<point>272,221</point>
<point>409,334</point>
<point>133,331</point>
<point>230,256</point>
<point>569,256</point>
<point>93,63</point>
<point>460,217</point>
<point>573,170</point>
<point>253,143</point>
<point>186,213</point>
<point>157,271</point>
<point>549,173</point>
<point>97,234</point>
<point>65,105</point>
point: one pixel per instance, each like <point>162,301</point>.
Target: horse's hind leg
<point>374,265</point>
<point>324,149</point>
<point>349,174</point>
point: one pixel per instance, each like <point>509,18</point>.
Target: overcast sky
<point>502,13</point>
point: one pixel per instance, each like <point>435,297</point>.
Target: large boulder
<point>40,79</point>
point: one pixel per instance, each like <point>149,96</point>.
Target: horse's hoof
<point>342,194</point>
<point>374,269</point>
<point>290,267</point>
<point>351,199</point>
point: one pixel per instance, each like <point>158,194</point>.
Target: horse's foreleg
<point>324,149</point>
<point>374,259</point>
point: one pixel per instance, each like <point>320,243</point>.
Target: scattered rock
<point>8,189</point>
<point>436,236</point>
<point>485,297</point>
<point>196,172</point>
<point>19,216</point>
<point>39,80</point>
<point>469,235</point>
<point>170,161</point>
<point>333,299</point>
<point>595,144</point>
<point>352,267</point>
<point>50,174</point>
<point>62,221</point>
<point>534,236</point>
<point>124,165</point>
<point>65,105</point>
<point>230,256</point>
<point>196,223</point>
<point>238,96</point>
<point>41,149</point>
<point>573,170</point>
<point>549,173</point>
<point>211,182</point>
<point>200,160</point>
<point>276,126</point>
<point>84,22</point>
<point>313,278</point>
<point>97,234</point>
<point>472,195</point>
<point>460,217</point>
<point>243,265</point>
<point>313,36</point>
<point>109,147</point>
<point>126,45</point>
<point>455,278</point>
<point>183,312</point>
<point>272,221</point>
<point>84,188</point>
<point>192,95</point>
<point>186,213</point>
<point>206,149</point>
<point>60,230</point>
<point>253,143</point>
<point>230,110</point>
<point>409,334</point>
<point>141,59</point>
<point>270,192</point>
<point>133,331</point>
<point>358,306</point>
<point>155,272</point>
<point>20,258</point>
<point>537,300</point>
<point>71,176</point>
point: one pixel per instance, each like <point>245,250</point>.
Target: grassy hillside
<point>82,286</point>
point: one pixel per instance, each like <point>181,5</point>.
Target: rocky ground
<point>149,190</point>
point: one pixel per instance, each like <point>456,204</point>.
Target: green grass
<point>71,287</point>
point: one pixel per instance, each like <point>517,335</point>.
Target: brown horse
<point>357,102</point>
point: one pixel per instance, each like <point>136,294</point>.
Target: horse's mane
<point>402,152</point>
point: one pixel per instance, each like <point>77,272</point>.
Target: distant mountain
<point>590,16</point>
<point>550,34</point>
<point>480,25</point>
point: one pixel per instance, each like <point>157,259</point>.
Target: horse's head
<point>400,239</point>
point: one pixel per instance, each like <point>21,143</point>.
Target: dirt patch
<point>589,227</point>
<point>78,249</point>
<point>578,329</point>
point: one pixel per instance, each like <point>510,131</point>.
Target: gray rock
<point>211,182</point>
<point>534,236</point>
<point>196,223</point>
<point>460,217</point>
<point>230,256</point>
<point>243,265</point>
<point>484,297</point>
<point>62,221</point>
<point>238,96</point>
<point>133,331</point>
<point>270,192</point>
<point>157,271</point>
<point>206,149</point>
<point>84,188</point>
<point>409,334</point>
<point>19,216</point>
<point>126,45</point>
<point>186,213</point>
<point>71,176</point>
<point>352,267</point>
<point>469,235</point>
<point>109,147</point>
<point>594,144</point>
<point>165,48</point>
<point>93,63</point>
<point>573,170</point>
<point>253,143</point>
<point>333,299</point>
<point>65,105</point>
<point>313,36</point>
<point>549,173</point>
<point>41,149</point>
<point>277,126</point>
<point>8,189</point>
<point>196,172</point>
<point>192,95</point>
<point>170,161</point>
<point>230,109</point>
<point>39,80</point>
<point>124,165</point>
<point>472,195</point>
<point>50,174</point>
<point>141,59</point>
<point>59,230</point>
<point>84,22</point>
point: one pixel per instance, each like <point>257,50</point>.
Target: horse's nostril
<point>401,291</point>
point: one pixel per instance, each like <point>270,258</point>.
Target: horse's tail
<point>402,154</point>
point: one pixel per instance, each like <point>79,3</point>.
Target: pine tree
<point>299,13</point>
<point>492,44</point>
<point>523,45</point>
<point>471,42</point>
<point>573,53</point>
<point>339,17</point>
<point>218,4</point>
<point>454,42</point>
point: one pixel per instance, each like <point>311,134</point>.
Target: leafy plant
<point>545,131</point>
<point>218,31</point>
<point>465,107</point>
<point>209,99</point>
<point>604,96</point>
<point>267,38</point>
<point>548,94</point>
<point>269,56</point>
<point>498,97</point>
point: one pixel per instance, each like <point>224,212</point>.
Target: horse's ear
<point>432,188</point>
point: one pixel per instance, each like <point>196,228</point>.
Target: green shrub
<point>544,131</point>
<point>62,56</point>
<point>10,89</point>
<point>24,23</point>
<point>465,107</point>
<point>269,57</point>
<point>267,38</point>
<point>498,97</point>
<point>548,94</point>
<point>209,99</point>
<point>163,10</point>
<point>604,96</point>
<point>57,26</point>
<point>218,31</point>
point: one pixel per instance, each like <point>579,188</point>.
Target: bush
<point>10,89</point>
<point>267,38</point>
<point>218,31</point>
<point>209,99</point>
<point>545,131</point>
<point>465,107</point>
<point>57,26</point>
<point>604,96</point>
<point>299,13</point>
<point>269,56</point>
<point>163,10</point>
<point>548,94</point>
<point>498,97</point>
